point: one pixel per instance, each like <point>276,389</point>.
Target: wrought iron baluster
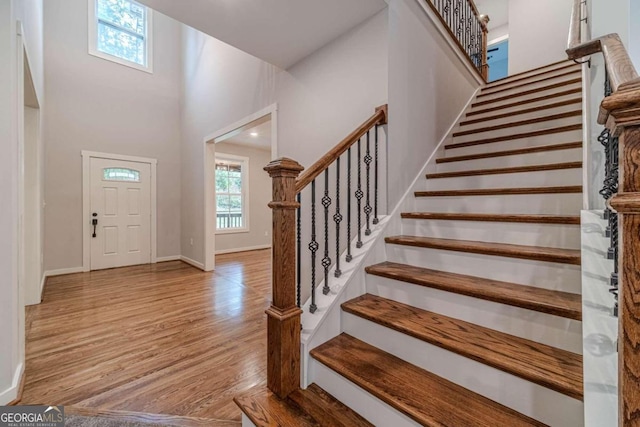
<point>298,249</point>
<point>326,261</point>
<point>313,247</point>
<point>359,195</point>
<point>375,178</point>
<point>367,207</point>
<point>349,256</point>
<point>337,218</point>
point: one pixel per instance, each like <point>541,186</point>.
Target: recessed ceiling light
<point>254,134</point>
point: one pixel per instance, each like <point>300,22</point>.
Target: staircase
<point>474,318</point>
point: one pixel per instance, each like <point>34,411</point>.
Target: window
<point>231,193</point>
<point>119,174</point>
<point>120,31</point>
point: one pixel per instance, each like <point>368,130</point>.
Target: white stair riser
<point>514,144</point>
<point>542,274</point>
<point>533,73</point>
<point>506,100</point>
<point>553,204</point>
<point>530,127</point>
<point>549,178</point>
<point>517,90</point>
<point>370,407</point>
<point>575,72</point>
<point>517,117</point>
<point>549,235</point>
<point>482,113</point>
<point>540,327</point>
<point>550,407</point>
<point>530,159</point>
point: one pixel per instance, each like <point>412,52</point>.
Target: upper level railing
<point>467,27</point>
<point>347,180</point>
<point>620,114</point>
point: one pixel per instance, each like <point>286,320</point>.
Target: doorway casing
<point>209,173</point>
<point>86,202</point>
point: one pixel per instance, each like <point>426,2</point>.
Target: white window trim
<point>93,40</point>
<point>245,192</point>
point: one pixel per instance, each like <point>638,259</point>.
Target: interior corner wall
<point>538,33</point>
<point>98,105</point>
<point>428,87</point>
<point>260,225</point>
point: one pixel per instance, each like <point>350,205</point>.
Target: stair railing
<point>620,115</point>
<point>361,169</point>
<point>467,27</point>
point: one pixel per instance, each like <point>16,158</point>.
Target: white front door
<point>120,213</point>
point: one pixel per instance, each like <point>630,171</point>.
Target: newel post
<point>484,20</point>
<point>283,317</point>
<point>623,108</point>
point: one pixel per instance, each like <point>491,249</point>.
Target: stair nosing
<point>488,358</point>
<point>528,150</point>
<point>483,289</point>
<point>501,191</point>
<point>504,79</point>
<point>564,74</point>
<point>512,218</point>
<point>408,408</point>
<point>558,116</point>
<point>509,170</point>
<point>528,92</point>
<point>507,250</point>
<point>521,112</point>
<point>523,135</point>
<point>526,101</point>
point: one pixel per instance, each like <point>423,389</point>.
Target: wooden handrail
<point>620,113</point>
<point>379,118</point>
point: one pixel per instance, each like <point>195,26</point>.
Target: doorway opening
<point>238,190</point>
<point>498,60</point>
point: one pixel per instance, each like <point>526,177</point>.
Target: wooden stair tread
<point>498,171</point>
<point>426,398</point>
<point>521,218</point>
<point>526,101</point>
<point>529,150</point>
<point>519,76</point>
<point>565,115</point>
<point>549,131</point>
<point>556,369</point>
<point>501,191</point>
<point>528,92</point>
<point>537,253</point>
<point>491,90</point>
<point>520,112</point>
<point>558,303</point>
<point>312,407</point>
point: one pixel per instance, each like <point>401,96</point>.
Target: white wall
<point>259,234</point>
<point>497,34</point>
<point>538,33</point>
<point>634,32</point>
<point>98,105</point>
<point>29,12</point>
<point>428,87</point>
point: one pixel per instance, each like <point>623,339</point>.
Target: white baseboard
<point>196,264</point>
<point>168,258</point>
<point>62,271</point>
<point>10,394</point>
<point>248,248</point>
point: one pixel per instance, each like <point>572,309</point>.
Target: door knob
<point>94,222</point>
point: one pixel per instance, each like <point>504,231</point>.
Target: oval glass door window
<point>121,174</point>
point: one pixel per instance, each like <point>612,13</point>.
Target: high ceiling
<point>281,32</point>
<point>258,136</point>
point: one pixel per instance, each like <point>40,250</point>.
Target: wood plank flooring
<point>156,339</point>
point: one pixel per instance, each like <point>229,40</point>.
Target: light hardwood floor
<point>158,339</point>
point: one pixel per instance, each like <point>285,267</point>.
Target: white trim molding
<point>168,258</point>
<point>247,249</point>
<point>209,152</point>
<point>192,262</point>
<point>86,201</point>
<point>11,394</point>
